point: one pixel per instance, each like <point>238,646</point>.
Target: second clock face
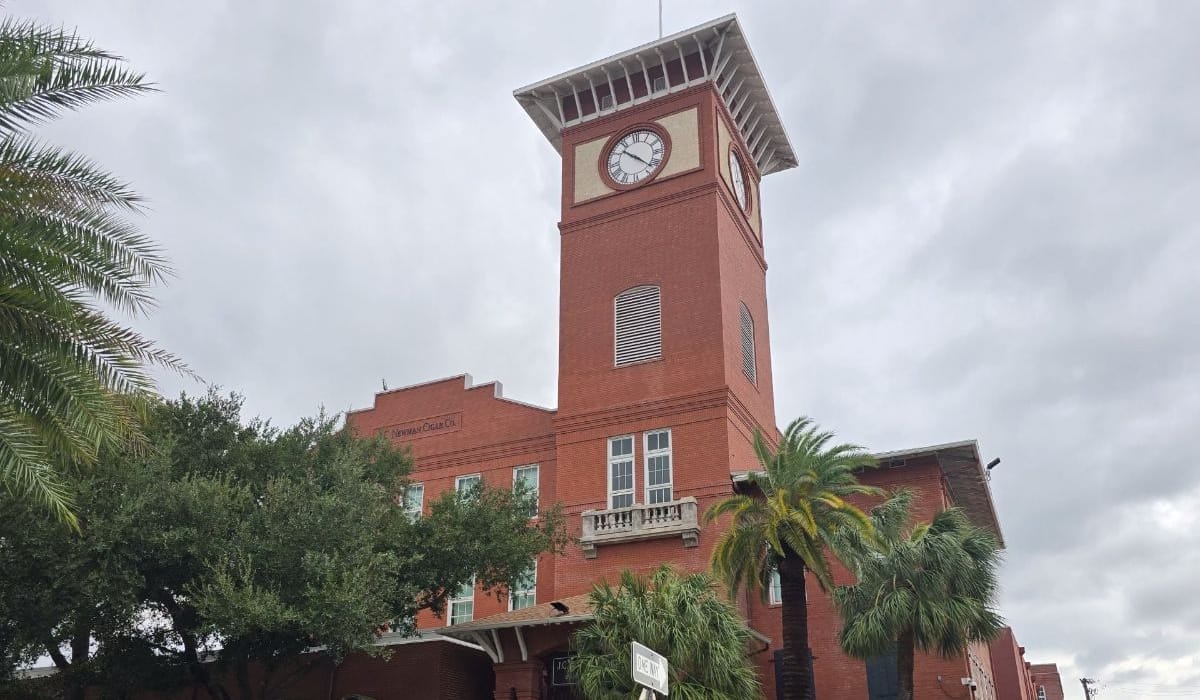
<point>739,178</point>
<point>638,155</point>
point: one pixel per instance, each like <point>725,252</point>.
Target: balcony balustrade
<point>641,522</point>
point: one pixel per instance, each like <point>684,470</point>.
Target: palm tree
<point>685,619</point>
<point>788,528</point>
<point>931,588</point>
<point>71,378</point>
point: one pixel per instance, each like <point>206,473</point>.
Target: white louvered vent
<point>747,342</point>
<point>638,317</point>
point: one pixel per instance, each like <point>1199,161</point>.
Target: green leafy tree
<point>71,378</point>
<point>685,619</point>
<point>233,541</point>
<point>930,588</point>
<point>787,526</point>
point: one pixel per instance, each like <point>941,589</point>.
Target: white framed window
<point>657,450</point>
<point>464,484</point>
<point>1041,692</point>
<point>746,322</point>
<point>637,325</point>
<point>528,476</point>
<point>462,605</point>
<point>620,471</point>
<point>523,593</point>
<point>414,500</point>
<point>660,84</point>
<point>775,592</point>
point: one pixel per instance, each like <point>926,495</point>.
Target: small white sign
<point>649,668</point>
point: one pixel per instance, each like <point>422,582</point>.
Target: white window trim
<point>419,509</point>
<point>459,601</point>
<point>532,590</point>
<point>537,485</point>
<point>459,479</point>
<point>632,457</point>
<point>647,454</point>
<point>775,590</point>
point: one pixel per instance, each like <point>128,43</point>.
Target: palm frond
<point>72,381</point>
<point>46,71</point>
<point>682,617</point>
<point>935,584</point>
<point>25,464</point>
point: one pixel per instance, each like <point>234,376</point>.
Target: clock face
<point>738,174</point>
<point>638,155</point>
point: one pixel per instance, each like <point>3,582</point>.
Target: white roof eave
<point>540,100</point>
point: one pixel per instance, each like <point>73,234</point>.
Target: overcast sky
<point>992,234</point>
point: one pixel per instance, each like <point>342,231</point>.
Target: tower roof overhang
<point>718,48</point>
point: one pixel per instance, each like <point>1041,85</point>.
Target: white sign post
<point>649,670</point>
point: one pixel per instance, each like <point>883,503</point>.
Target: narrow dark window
<point>749,366</point>
<point>638,325</point>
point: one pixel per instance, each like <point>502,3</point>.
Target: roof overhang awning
<point>486,633</point>
<point>715,52</point>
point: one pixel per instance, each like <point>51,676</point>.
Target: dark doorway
<point>559,684</point>
<point>883,682</point>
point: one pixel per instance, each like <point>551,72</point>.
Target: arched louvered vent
<point>638,325</point>
<point>747,325</point>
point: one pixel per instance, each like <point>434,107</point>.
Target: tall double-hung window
<point>527,477</point>
<point>658,466</point>
<point>414,500</point>
<point>466,485</point>
<point>462,605</point>
<point>523,593</point>
<point>620,471</point>
<point>637,334</point>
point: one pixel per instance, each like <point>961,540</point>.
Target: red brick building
<point>664,367</point>
<point>1047,683</point>
<point>1010,670</point>
<point>1016,678</point>
<point>665,374</point>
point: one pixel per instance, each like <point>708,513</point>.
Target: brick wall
<point>1046,676</point>
<point>429,671</point>
<point>1010,669</point>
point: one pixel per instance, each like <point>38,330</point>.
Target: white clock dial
<point>638,155</point>
<point>739,178</point>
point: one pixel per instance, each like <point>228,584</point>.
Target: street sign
<point>649,668</point>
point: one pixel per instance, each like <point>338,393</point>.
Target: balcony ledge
<point>640,522</point>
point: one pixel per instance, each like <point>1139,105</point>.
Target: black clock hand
<point>627,153</point>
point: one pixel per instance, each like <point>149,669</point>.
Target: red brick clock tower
<point>664,375</point>
<point>664,359</point>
